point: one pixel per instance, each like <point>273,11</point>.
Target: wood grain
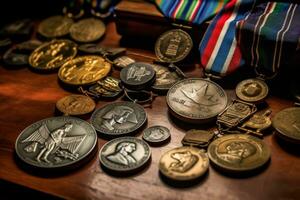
<point>27,97</point>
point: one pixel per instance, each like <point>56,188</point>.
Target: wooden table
<point>26,97</point>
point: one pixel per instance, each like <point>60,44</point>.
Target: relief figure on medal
<point>252,89</point>
<point>156,134</point>
<point>183,161</point>
<point>75,104</point>
<point>120,115</point>
<point>163,76</point>
<point>236,152</point>
<point>137,73</point>
<point>46,143</point>
<point>173,45</point>
<point>122,154</point>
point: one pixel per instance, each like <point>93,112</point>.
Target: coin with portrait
<point>87,30</point>
<point>125,154</point>
<point>56,142</point>
<point>55,26</point>
<point>156,135</point>
<point>173,46</point>
<point>238,153</point>
<point>252,90</point>
<point>75,105</point>
<point>119,119</point>
<point>184,163</point>
<point>84,70</point>
<point>52,55</point>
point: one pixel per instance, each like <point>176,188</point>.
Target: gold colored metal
<point>55,26</point>
<point>84,70</point>
<point>53,54</point>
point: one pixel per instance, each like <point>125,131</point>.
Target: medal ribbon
<point>218,49</point>
<point>274,26</point>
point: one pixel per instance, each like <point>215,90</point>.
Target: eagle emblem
<point>54,142</point>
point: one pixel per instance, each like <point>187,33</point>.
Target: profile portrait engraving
<point>183,161</point>
<point>123,154</point>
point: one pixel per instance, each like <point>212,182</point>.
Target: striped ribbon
<point>270,35</point>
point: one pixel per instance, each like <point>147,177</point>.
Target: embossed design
<point>184,161</point>
<point>122,154</point>
<point>54,142</point>
<point>137,73</point>
<point>118,115</point>
<point>156,134</point>
<point>236,152</point>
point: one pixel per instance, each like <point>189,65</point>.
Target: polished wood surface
<point>26,97</point>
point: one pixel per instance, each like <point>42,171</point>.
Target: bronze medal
<point>55,26</point>
<point>252,90</point>
<point>87,30</point>
<point>196,100</point>
<point>238,153</point>
<point>84,70</point>
<point>75,105</point>
<point>173,46</point>
<point>183,163</point>
<point>52,55</point>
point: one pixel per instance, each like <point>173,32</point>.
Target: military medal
<point>125,154</point>
<point>52,55</point>
<point>238,153</point>
<point>123,61</point>
<point>156,135</point>
<point>55,26</point>
<point>196,100</point>
<point>87,30</point>
<point>137,76</point>
<point>75,105</point>
<point>198,138</point>
<point>252,90</point>
<point>184,163</point>
<point>287,124</point>
<point>165,78</point>
<point>56,143</point>
<point>173,46</point>
<point>84,70</point>
<point>119,119</point>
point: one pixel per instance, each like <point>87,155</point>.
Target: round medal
<point>156,135</point>
<point>238,153</point>
<point>118,119</point>
<point>183,163</point>
<point>125,154</point>
<point>55,26</point>
<point>196,100</point>
<point>252,90</point>
<point>56,142</point>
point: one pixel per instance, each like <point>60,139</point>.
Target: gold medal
<point>52,55</point>
<point>252,90</point>
<point>84,70</point>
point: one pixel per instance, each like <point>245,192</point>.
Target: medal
<point>119,119</point>
<point>238,153</point>
<point>52,55</point>
<point>75,105</point>
<point>56,143</point>
<point>55,26</point>
<point>87,30</point>
<point>84,70</point>
<point>183,164</point>
<point>173,46</point>
<point>198,138</point>
<point>156,135</point>
<point>137,76</point>
<point>123,61</point>
<point>125,154</point>
<point>196,100</point>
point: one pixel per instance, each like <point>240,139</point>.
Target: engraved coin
<point>56,142</point>
<point>196,100</point>
<point>137,76</point>
<point>164,78</point>
<point>118,119</point>
<point>84,70</point>
<point>55,26</point>
<point>87,30</point>
<point>75,105</point>
<point>156,135</point>
<point>173,46</point>
<point>252,90</point>
<point>52,55</point>
<point>238,153</point>
<point>125,154</point>
<point>287,124</point>
<point>183,163</point>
